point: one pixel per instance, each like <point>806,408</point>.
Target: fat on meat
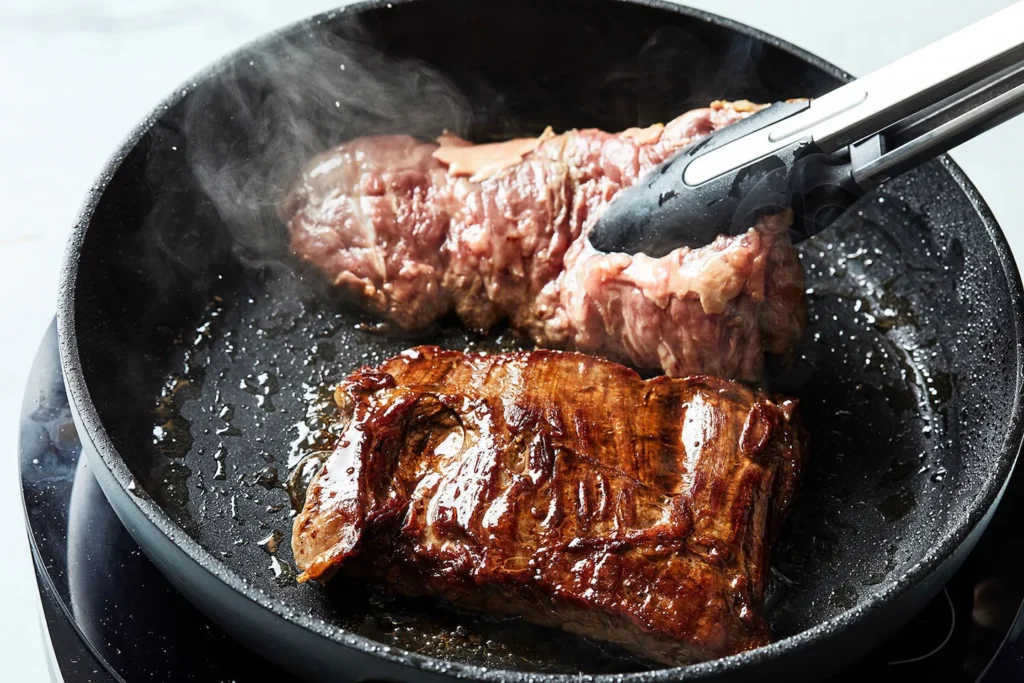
<point>415,231</point>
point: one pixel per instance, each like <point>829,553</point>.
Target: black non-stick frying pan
<point>197,353</point>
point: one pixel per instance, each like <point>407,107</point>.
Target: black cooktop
<point>111,616</point>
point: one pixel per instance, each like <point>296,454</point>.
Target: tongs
<point>818,157</point>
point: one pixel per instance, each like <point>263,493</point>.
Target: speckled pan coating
<point>949,273</point>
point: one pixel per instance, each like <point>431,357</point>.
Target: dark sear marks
<point>563,488</point>
<point>876,352</point>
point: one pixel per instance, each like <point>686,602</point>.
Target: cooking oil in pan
<point>261,422</point>
<point>262,386</point>
<point>320,426</point>
<point>249,401</point>
<point>284,573</point>
<point>877,391</point>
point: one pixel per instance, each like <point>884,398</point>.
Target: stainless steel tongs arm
<point>933,74</point>
<point>943,126</point>
<point>819,157</point>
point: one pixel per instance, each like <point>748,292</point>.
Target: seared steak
<point>563,488</point>
<point>415,230</point>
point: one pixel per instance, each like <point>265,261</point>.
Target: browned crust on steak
<point>563,488</point>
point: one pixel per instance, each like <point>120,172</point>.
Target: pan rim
<point>95,433</point>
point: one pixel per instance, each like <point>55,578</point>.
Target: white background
<point>76,76</point>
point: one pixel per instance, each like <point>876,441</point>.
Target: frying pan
<point>195,352</point>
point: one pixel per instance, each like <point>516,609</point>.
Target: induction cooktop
<point>109,615</point>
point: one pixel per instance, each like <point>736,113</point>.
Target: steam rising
<point>676,70</point>
<point>252,128</point>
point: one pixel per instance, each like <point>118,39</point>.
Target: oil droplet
<point>267,478</point>
<point>227,414</point>
<point>323,349</point>
<point>262,385</point>
<point>271,542</point>
<point>172,434</point>
<point>218,458</point>
<point>302,475</point>
<point>284,573</point>
<point>321,426</point>
<point>175,490</point>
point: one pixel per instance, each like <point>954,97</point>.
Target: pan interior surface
<point>209,353</point>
